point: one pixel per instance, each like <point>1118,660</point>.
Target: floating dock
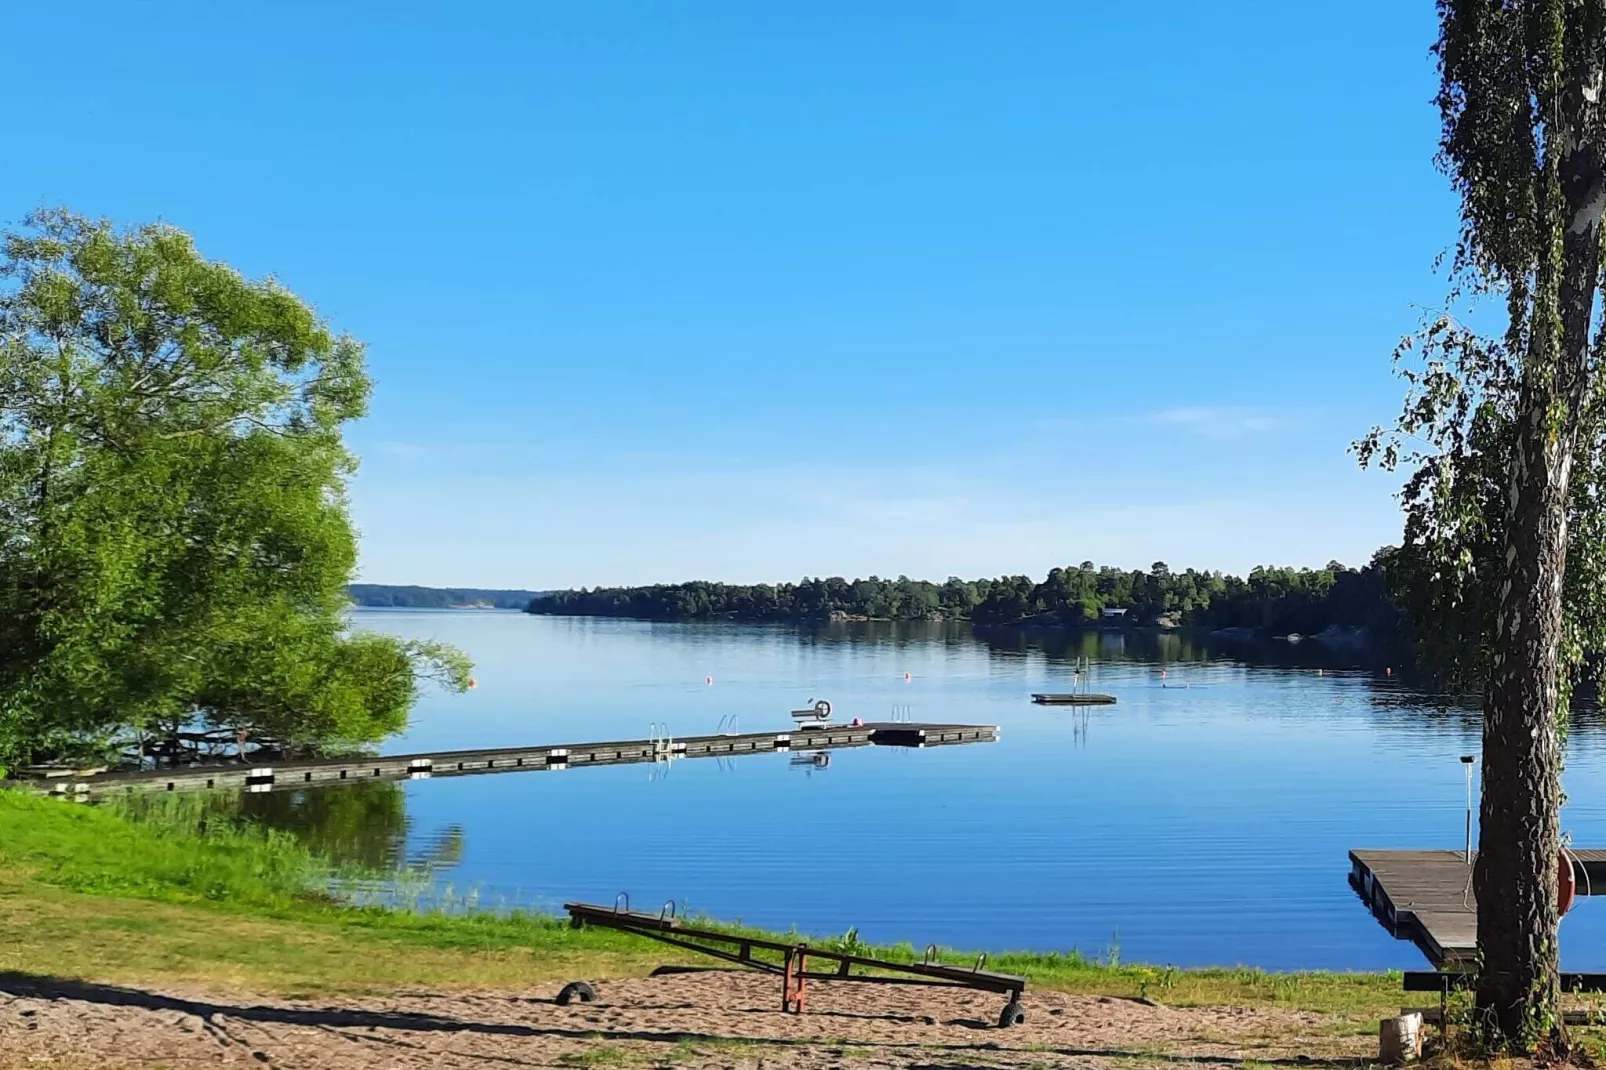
<point>290,775</point>
<point>1072,698</point>
<point>1426,897</point>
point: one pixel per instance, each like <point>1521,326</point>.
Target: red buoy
<point>1566,884</point>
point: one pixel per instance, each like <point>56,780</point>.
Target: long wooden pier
<point>1426,896</point>
<point>290,775</point>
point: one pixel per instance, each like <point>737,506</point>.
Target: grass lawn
<point>86,893</point>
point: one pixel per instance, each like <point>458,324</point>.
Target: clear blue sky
<point>754,290</point>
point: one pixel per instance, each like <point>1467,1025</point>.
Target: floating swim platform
<point>1073,698</point>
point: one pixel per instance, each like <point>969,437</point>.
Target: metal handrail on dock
<point>793,967</point>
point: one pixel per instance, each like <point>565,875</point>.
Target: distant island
<point>1335,601</point>
<point>387,595</point>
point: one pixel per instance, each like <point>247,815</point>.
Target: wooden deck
<point>1076,698</point>
<point>1426,896</point>
<point>290,775</point>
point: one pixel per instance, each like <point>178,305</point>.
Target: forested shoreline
<point>1276,601</point>
<point>410,596</point>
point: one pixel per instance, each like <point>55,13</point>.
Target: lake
<point>1204,820</point>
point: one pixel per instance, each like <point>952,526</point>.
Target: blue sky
<point>749,291</point>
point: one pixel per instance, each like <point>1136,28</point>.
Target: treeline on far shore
<point>384,595</point>
<point>1272,600</point>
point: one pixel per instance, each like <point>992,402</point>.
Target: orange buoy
<point>1566,884</point>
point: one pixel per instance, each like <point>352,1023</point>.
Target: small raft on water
<point>1075,698</point>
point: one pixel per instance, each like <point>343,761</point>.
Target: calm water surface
<point>1203,820</point>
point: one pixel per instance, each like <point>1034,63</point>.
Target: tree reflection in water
<point>356,828</point>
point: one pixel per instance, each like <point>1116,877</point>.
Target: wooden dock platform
<point>1426,896</point>
<point>1072,698</point>
<point>290,775</point>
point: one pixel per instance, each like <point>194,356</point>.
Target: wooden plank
<point>1442,980</point>
<point>1453,936</point>
<point>1422,896</point>
<point>1426,896</point>
<point>1432,1016</point>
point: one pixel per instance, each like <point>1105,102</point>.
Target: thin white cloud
<point>1218,421</point>
<point>551,529</point>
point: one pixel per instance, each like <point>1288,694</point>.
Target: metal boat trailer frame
<point>793,967</point>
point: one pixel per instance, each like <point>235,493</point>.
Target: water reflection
<point>364,826</point>
<point>1205,818</point>
<point>1058,646</point>
<point>360,828</point>
<point>809,761</point>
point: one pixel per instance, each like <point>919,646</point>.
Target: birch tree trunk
<point>1520,834</point>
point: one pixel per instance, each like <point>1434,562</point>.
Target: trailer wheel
<point>576,990</point>
<point>1014,1014</point>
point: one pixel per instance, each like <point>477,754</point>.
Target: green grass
<point>596,1056</point>
<point>93,850</point>
<point>88,891</point>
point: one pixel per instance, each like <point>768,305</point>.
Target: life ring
<point>1566,883</point>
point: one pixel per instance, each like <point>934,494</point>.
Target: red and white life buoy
<point>1566,883</point>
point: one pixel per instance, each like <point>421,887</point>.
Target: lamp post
<point>1466,763</point>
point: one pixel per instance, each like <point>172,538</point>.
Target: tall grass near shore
<point>176,852</point>
<point>203,891</point>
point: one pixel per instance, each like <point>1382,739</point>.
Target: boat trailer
<point>795,958</point>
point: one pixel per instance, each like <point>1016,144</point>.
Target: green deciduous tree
<point>1501,568</point>
<point>174,538</point>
